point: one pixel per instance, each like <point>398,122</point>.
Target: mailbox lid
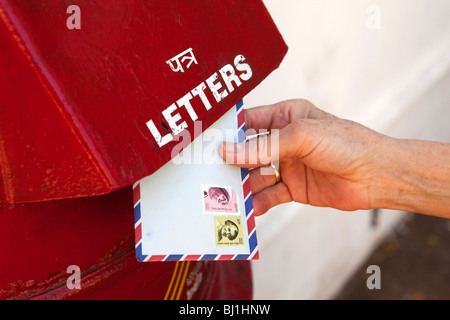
<point>86,96</point>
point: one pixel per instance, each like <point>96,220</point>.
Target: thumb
<point>257,152</point>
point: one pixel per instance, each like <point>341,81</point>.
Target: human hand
<point>323,160</point>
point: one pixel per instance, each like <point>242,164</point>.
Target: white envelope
<point>196,207</point>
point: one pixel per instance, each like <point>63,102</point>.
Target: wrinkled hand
<point>323,160</point>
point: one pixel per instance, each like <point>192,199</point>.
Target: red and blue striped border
<point>248,207</point>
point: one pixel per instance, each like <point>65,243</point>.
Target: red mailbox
<point>86,112</point>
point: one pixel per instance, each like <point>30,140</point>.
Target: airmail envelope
<point>196,207</point>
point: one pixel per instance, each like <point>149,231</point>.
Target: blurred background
<point>385,64</point>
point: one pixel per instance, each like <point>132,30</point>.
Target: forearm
<point>415,178</point>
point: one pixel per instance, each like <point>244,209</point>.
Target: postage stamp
<point>218,199</point>
<point>229,231</point>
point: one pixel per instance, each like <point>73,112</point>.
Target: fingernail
<point>233,147</point>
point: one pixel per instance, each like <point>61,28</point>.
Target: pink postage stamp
<point>217,199</point>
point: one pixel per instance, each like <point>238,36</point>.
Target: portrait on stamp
<point>218,199</point>
<point>228,231</point>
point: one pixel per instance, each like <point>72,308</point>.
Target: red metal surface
<point>73,111</point>
<point>39,241</point>
<point>75,103</point>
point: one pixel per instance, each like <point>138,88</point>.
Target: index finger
<point>279,115</point>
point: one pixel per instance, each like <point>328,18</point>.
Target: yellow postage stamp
<point>229,231</point>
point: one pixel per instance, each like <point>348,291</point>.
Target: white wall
<point>373,76</point>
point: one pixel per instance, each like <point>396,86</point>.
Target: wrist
<point>391,185</point>
<point>413,176</point>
